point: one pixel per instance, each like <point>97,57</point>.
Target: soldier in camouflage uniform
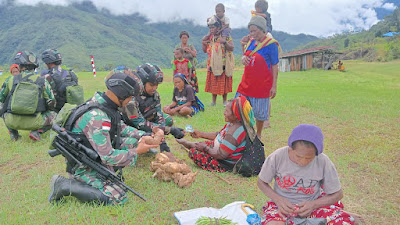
<point>144,112</point>
<point>98,127</point>
<point>28,62</point>
<point>52,58</point>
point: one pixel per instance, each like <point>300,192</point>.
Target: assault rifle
<point>76,152</point>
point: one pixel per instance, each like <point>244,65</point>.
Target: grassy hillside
<point>368,45</point>
<point>357,111</point>
<point>79,31</point>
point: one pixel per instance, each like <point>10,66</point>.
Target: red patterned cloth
<point>334,214</point>
<point>218,85</point>
<point>206,161</point>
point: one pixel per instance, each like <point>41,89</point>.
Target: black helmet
<point>122,85</point>
<point>26,59</point>
<point>51,56</point>
<point>150,73</point>
<point>130,72</point>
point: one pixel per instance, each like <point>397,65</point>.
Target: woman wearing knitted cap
<point>260,76</point>
<point>224,147</point>
<point>302,172</point>
<point>220,62</point>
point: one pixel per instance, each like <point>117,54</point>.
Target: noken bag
<point>253,156</point>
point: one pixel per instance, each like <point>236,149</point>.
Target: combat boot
<point>44,129</point>
<point>34,135</point>
<point>61,186</point>
<point>14,135</point>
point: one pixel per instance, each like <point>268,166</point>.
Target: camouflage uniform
<point>1,90</point>
<point>95,125</point>
<point>135,110</point>
<point>48,116</point>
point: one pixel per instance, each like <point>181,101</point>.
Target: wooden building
<point>319,57</point>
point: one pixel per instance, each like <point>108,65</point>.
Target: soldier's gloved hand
<point>177,132</point>
<point>164,147</point>
<point>147,134</point>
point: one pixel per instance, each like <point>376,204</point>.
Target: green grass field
<point>358,111</point>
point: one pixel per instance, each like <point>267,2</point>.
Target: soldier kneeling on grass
<point>63,82</point>
<point>98,124</point>
<point>27,99</point>
<point>144,111</point>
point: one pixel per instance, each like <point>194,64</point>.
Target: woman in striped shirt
<point>224,148</point>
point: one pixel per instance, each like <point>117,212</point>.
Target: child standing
<point>306,183</point>
<point>185,67</point>
<point>184,100</point>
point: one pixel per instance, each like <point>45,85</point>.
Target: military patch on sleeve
<point>106,126</point>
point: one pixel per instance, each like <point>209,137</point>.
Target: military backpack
<point>66,88</point>
<point>24,103</point>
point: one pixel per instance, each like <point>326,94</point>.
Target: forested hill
<point>79,31</point>
<point>369,45</point>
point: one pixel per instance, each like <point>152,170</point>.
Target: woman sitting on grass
<point>184,101</point>
<point>224,148</point>
<point>306,183</point>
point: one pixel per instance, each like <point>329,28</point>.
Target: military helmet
<point>150,73</point>
<point>51,56</point>
<point>130,72</point>
<point>26,59</point>
<point>122,85</point>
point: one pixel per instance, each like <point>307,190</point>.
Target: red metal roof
<point>307,51</point>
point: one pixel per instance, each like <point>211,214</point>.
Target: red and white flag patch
<point>106,126</point>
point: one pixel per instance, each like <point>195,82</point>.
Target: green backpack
<point>24,104</point>
<point>26,96</point>
<point>67,89</point>
<point>61,119</point>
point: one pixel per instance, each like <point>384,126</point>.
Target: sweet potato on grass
<point>174,167</point>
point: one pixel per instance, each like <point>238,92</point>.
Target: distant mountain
<point>79,30</point>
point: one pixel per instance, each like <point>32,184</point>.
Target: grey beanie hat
<point>258,21</point>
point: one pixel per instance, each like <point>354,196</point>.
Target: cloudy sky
<point>316,17</point>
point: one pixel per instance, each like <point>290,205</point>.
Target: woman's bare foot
<point>185,143</point>
<point>358,220</point>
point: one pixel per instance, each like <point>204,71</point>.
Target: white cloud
<point>389,6</point>
<point>317,17</point>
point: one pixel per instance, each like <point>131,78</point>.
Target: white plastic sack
<point>232,211</point>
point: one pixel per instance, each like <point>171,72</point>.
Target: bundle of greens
<point>214,221</point>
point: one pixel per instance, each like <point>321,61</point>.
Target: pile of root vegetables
<point>167,167</point>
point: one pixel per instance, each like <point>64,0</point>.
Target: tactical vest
<point>25,97</point>
<point>62,82</point>
<point>148,105</point>
<point>68,117</point>
<point>115,131</point>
